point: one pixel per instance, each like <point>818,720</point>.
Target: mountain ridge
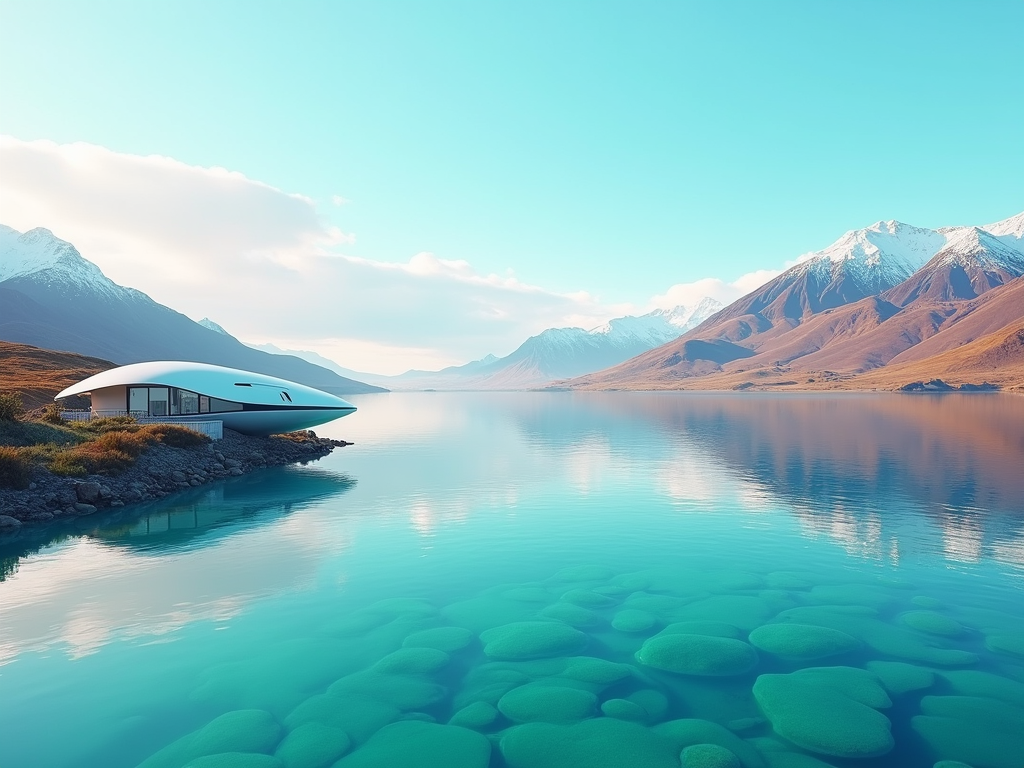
<point>53,298</point>
<point>824,314</point>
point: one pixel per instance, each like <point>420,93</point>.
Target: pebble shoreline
<point>159,472</point>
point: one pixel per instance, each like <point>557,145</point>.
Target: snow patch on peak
<point>39,250</point>
<point>1010,231</point>
<point>216,327</point>
<point>886,253</point>
<point>976,247</point>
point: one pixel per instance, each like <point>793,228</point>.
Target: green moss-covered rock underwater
<point>719,670</point>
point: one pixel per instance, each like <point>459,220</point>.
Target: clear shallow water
<point>894,522</point>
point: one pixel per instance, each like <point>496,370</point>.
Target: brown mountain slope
<point>997,358</point>
<point>39,374</point>
<point>845,343</point>
<point>997,309</point>
<point>970,264</point>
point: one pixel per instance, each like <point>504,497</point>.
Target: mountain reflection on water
<point>133,630</point>
<point>837,461</point>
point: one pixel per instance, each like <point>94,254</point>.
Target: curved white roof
<point>213,380</point>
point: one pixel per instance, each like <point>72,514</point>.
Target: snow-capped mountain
<point>54,262</point>
<point>869,298</point>
<point>562,352</point>
<point>52,297</point>
<point>1009,231</point>
<point>970,262</point>
<point>862,263</point>
<point>874,258</point>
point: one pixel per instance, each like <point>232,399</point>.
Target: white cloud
<point>339,201</point>
<point>688,294</point>
<point>265,264</point>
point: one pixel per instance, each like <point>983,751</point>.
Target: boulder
<point>814,715</point>
<point>799,642</point>
<point>702,655</point>
<point>416,744</point>
<point>447,639</point>
<point>532,640</point>
<point>313,745</point>
<point>602,742</point>
<point>708,756</point>
<point>87,493</point>
<point>537,702</point>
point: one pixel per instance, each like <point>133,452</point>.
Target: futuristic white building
<point>246,402</point>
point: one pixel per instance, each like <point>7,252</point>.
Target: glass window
<point>175,407</point>
<point>158,401</point>
<point>204,404</point>
<point>188,402</point>
<point>218,406</point>
<point>138,400</point>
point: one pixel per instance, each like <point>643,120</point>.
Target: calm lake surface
<point>572,579</point>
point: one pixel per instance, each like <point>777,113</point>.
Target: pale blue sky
<point>608,146</point>
<point>612,147</point>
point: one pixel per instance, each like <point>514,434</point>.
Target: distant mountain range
<point>879,306</point>
<point>52,297</point>
<point>556,353</point>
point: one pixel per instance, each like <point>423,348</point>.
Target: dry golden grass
<point>39,374</point>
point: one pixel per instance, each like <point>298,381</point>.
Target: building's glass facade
<point>172,401</point>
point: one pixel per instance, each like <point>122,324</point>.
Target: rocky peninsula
<point>158,472</point>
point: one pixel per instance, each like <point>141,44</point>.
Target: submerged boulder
<point>404,692</point>
<point>357,716</point>
<point>711,628</point>
<point>572,614</point>
<point>708,756</point>
<point>477,715</point>
<point>243,731</point>
<point>601,742</point>
<point>537,702</point>
<point>416,744</point>
<point>702,655</point>
<point>976,730</point>
<point>633,620</point>
<point>690,732</point>
<point>447,639</point>
<point>800,642</point>
<point>587,598</point>
<point>899,677</point>
<point>623,709</point>
<point>1012,645</point>
<point>969,682</point>
<point>235,760</point>
<point>816,713</point>
<point>532,640</point>
<point>933,623</point>
<point>412,661</point>
<point>313,745</point>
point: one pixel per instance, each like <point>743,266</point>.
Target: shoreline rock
<point>159,472</point>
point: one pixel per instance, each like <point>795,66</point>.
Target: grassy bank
<point>75,449</point>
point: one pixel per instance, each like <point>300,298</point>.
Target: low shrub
<point>108,424</point>
<point>69,464</point>
<point>52,414</point>
<point>174,435</point>
<point>15,469</point>
<point>110,453</point>
<point>11,406</point>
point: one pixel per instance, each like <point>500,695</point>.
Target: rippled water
<point>622,577</point>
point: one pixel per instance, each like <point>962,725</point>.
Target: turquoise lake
<point>548,580</point>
